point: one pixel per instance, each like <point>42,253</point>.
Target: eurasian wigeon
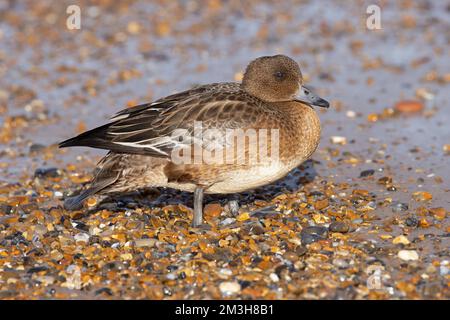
<point>143,140</point>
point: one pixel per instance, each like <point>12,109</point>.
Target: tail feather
<point>76,202</point>
<point>93,138</point>
<point>98,138</point>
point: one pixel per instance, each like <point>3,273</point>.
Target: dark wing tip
<point>67,143</point>
<point>93,138</point>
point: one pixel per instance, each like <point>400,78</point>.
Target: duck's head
<point>278,78</point>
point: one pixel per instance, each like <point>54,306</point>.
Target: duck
<point>202,140</point>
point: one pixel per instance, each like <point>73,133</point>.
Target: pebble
<point>339,226</point>
<point>36,147</point>
<point>82,237</point>
<point>444,271</point>
<point>46,280</point>
<point>225,272</point>
<point>139,243</point>
<point>446,148</point>
<point>399,206</point>
<point>366,173</point>
<point>408,255</point>
<point>274,277</point>
<point>412,222</point>
<point>300,250</point>
<point>255,227</point>
<point>312,234</point>
<point>229,288</point>
<point>408,106</point>
<point>58,194</point>
<point>338,140</point>
<point>47,173</point>
<point>212,210</point>
<point>438,213</point>
<point>350,114</point>
<point>227,221</point>
<point>400,240</point>
<point>172,276</point>
<point>321,204</point>
<point>340,263</point>
<point>232,207</point>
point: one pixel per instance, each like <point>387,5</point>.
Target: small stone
<point>408,255</point>
<point>47,173</point>
<point>446,148</point>
<point>232,207</point>
<point>339,226</point>
<point>366,173</point>
<point>229,288</point>
<point>172,276</point>
<point>126,256</point>
<point>444,268</point>
<point>338,140</point>
<point>212,210</point>
<point>424,223</point>
<point>274,277</point>
<point>58,194</point>
<point>321,204</point>
<point>372,117</point>
<point>46,280</point>
<point>391,188</point>
<point>91,202</point>
<point>424,94</point>
<point>36,147</point>
<point>167,291</point>
<point>399,206</point>
<point>438,213</point>
<point>350,114</point>
<point>243,216</point>
<point>81,237</point>
<point>312,234</point>
<point>133,27</point>
<point>340,263</point>
<point>400,240</point>
<point>255,228</point>
<point>422,196</point>
<point>300,250</point>
<point>228,221</point>
<point>412,222</point>
<point>150,242</point>
<point>408,106</point>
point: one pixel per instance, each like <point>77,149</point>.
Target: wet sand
<point>375,195</point>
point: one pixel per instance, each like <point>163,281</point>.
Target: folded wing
<point>153,129</point>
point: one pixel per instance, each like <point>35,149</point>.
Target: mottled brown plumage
<point>143,139</point>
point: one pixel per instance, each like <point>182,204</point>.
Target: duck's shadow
<point>294,181</point>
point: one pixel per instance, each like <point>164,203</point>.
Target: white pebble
<point>145,243</point>
<point>83,237</point>
<point>229,288</point>
<point>338,140</point>
<point>351,114</point>
<point>408,255</point>
<point>227,221</point>
<point>274,277</point>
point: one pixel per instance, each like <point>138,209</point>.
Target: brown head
<point>278,78</point>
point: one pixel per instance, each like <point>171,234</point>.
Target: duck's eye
<point>279,75</point>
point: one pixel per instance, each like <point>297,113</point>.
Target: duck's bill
<point>305,95</point>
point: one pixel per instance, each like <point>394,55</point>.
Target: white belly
<point>242,180</point>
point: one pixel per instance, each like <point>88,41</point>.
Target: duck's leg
<point>198,207</point>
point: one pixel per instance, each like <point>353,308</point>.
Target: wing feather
<point>150,129</point>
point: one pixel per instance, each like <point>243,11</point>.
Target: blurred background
<point>388,87</point>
